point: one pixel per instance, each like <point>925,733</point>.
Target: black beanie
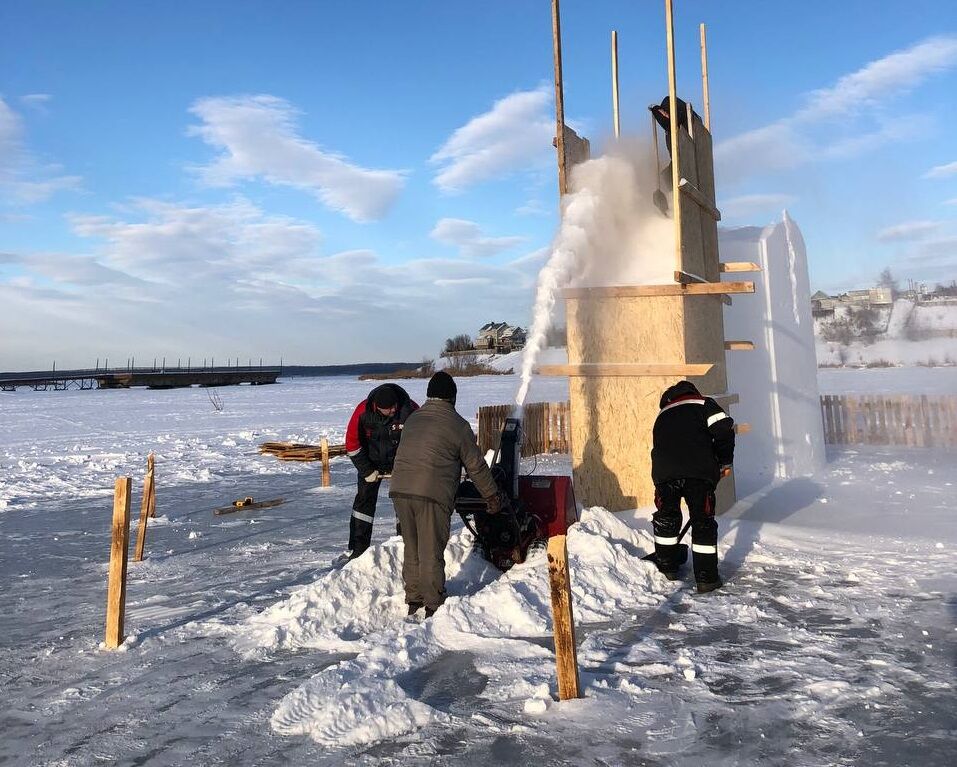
<point>384,397</point>
<point>442,386</point>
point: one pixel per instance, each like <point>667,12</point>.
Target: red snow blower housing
<point>534,507</point>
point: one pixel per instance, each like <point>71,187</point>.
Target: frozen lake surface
<point>832,642</point>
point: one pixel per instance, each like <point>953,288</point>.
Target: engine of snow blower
<point>534,507</point>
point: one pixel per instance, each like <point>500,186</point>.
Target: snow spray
<point>610,233</point>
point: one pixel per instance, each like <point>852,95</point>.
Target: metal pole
<point>559,98</point>
<point>614,82</point>
<point>704,79</point>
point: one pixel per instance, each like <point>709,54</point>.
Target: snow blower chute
<point>534,507</point>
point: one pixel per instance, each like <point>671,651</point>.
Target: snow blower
<point>534,507</point>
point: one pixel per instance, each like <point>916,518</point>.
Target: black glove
<point>494,504</point>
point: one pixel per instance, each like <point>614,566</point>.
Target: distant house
<point>882,295</point>
<point>499,337</point>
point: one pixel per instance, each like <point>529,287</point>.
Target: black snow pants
<point>666,522</point>
<point>363,515</point>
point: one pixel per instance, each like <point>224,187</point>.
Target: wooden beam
<point>704,79</point>
<point>563,620</point>
<point>324,448</point>
<point>641,291</point>
<point>686,187</point>
<point>559,99</point>
<point>686,278</point>
<point>625,369</point>
<point>116,585</point>
<point>673,124</point>
<point>742,428</point>
<point>149,499</point>
<point>614,83</point>
<point>739,346</point>
<point>738,266</point>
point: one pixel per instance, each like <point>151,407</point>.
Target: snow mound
<point>361,608</point>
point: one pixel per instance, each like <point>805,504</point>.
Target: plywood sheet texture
<point>612,417</point>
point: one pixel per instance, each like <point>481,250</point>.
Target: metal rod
<point>614,82</point>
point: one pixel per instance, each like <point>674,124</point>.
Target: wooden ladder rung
<point>738,266</point>
<point>739,346</point>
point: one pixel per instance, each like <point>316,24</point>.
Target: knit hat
<point>442,386</point>
<point>384,397</point>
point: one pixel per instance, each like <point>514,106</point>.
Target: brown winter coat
<point>436,443</point>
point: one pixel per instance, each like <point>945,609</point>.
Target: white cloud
<point>515,134</point>
<point>468,238</point>
<point>232,279</point>
<point>750,204</point>
<point>22,177</point>
<point>845,120</point>
<point>951,202</point>
<point>908,230</point>
<point>893,74</point>
<point>942,171</point>
<point>258,138</point>
<point>36,101</point>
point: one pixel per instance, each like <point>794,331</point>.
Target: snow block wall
<point>777,382</point>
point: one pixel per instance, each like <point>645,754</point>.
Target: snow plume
<point>610,233</point>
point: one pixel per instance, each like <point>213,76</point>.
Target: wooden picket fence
<point>915,420</point>
<point>545,425</point>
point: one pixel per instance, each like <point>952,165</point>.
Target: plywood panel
<point>692,246</point>
<point>704,162</point>
<point>612,420</point>
<point>626,329</point>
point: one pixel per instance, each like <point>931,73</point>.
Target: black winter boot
<point>705,586</point>
<point>414,607</point>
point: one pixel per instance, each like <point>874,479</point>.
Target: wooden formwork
<point>627,344</point>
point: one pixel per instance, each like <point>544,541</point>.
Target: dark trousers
<point>363,515</point>
<point>425,534</point>
<point>666,522</point>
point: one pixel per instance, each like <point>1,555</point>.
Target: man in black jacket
<point>693,448</point>
<point>372,438</point>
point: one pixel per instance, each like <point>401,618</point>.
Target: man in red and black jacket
<point>693,448</point>
<point>372,438</point>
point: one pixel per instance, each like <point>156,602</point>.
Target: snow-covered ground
<point>832,642</point>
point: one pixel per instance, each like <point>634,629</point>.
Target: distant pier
<point>149,377</point>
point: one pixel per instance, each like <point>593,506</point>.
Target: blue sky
<point>355,181</point>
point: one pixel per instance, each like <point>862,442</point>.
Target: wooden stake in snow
<point>326,478</point>
<point>566,652</point>
<point>116,588</point>
<point>147,509</point>
<point>150,465</point>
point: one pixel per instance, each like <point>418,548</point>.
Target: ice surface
<point>832,641</point>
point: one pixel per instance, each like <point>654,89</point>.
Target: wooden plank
<point>149,500</point>
<point>151,469</point>
<point>739,346</point>
<point>686,278</point>
<point>699,198</point>
<point>116,585</point>
<point>626,369</point>
<point>742,428</point>
<point>674,129</point>
<point>739,266</point>
<point>559,99</point>
<point>640,291</point>
<point>563,620</point>
<point>326,475</point>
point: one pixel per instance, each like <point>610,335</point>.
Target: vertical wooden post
<point>559,99</point>
<point>150,469</point>
<point>614,81</point>
<point>706,93</point>
<point>116,587</point>
<point>673,121</point>
<point>326,479</point>
<point>566,651</point>
<point>147,509</point>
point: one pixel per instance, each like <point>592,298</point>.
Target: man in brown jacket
<point>436,443</point>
